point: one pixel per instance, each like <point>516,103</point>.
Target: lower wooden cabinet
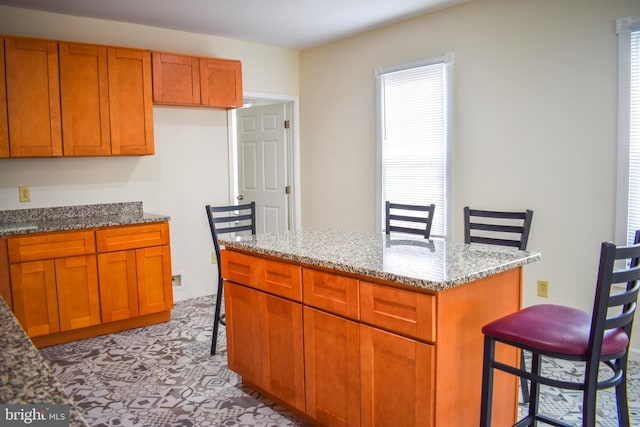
<point>397,380</point>
<point>332,368</point>
<point>65,286</point>
<point>264,342</point>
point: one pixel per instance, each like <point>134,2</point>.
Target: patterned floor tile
<point>163,375</point>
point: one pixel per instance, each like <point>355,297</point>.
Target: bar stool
<point>600,339</point>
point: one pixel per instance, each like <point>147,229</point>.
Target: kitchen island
<point>353,329</point>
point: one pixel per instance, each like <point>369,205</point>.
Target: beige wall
<point>190,168</point>
<point>534,121</point>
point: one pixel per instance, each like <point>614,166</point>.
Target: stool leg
<point>487,381</point>
<point>536,366</point>
<point>216,318</point>
<point>524,386</point>
<point>622,402</point>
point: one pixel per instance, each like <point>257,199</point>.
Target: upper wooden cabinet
<point>130,101</point>
<point>196,81</point>
<point>74,99</point>
<point>33,97</point>
<point>4,124</point>
<point>84,83</point>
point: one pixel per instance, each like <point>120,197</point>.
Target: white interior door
<point>262,164</point>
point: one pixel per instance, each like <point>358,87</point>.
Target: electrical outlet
<point>543,288</point>
<point>176,280</point>
<point>24,194</point>
<point>214,260</point>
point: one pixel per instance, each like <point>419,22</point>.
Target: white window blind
<point>628,216</point>
<point>413,133</point>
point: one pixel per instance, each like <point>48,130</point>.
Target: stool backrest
<point>497,227</point>
<point>616,296</point>
<point>411,219</point>
<point>230,219</point>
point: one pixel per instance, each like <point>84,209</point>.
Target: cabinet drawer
<point>132,237</point>
<point>281,278</point>
<point>47,246</point>
<point>332,292</point>
<point>405,312</point>
<point>240,268</point>
<point>278,278</point>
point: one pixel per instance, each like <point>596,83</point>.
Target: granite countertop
<point>428,264</point>
<point>41,220</point>
<point>25,377</point>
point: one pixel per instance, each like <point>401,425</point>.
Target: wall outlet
<point>214,260</point>
<point>24,194</point>
<point>176,280</point>
<point>543,288</point>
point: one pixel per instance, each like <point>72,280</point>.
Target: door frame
<point>293,154</point>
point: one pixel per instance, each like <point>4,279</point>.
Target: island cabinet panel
<point>240,268</point>
<point>264,342</point>
<point>33,97</point>
<point>176,79</point>
<point>130,101</point>
<point>282,348</point>
<point>398,310</point>
<point>244,354</point>
<point>331,292</point>
<point>332,368</point>
<point>397,380</point>
<point>4,121</point>
<point>281,278</point>
<point>84,93</point>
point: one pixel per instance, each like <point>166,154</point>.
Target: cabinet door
<point>332,369</point>
<point>176,79</point>
<point>282,358</point>
<point>153,268</point>
<point>4,123</point>
<point>77,286</point>
<point>397,380</point>
<point>221,82</point>
<point>130,101</point>
<point>243,332</point>
<point>84,93</point>
<point>118,285</point>
<point>33,97</point>
<point>35,300</point>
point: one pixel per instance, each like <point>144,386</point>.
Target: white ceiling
<point>296,24</point>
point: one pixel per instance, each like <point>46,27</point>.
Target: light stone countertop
<point>429,264</point>
<point>64,218</point>
<point>25,377</point>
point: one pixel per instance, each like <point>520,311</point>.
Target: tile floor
<point>163,375</point>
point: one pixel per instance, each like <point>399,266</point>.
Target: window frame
<point>624,28</point>
<point>447,211</point>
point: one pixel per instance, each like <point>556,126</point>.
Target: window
<point>628,195</point>
<point>414,103</point>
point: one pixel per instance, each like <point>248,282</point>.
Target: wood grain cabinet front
<point>54,282</point>
<point>4,121</point>
<point>134,266</point>
<point>196,81</point>
<point>33,97</point>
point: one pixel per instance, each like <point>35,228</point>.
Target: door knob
<point>240,197</point>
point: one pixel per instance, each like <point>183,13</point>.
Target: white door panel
<point>262,164</point>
